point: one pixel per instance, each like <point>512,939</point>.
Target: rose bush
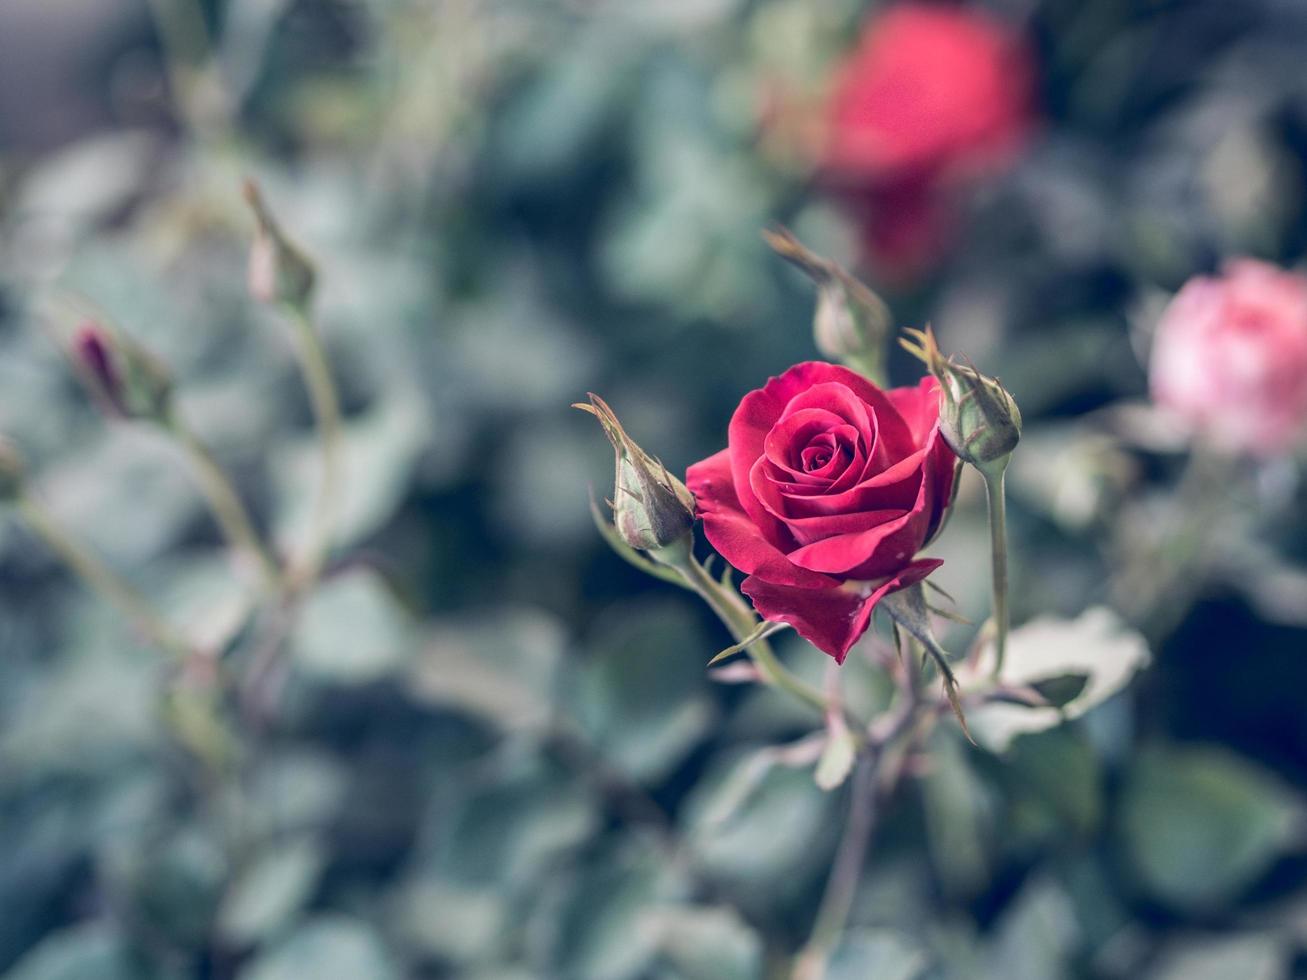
<point>931,97</point>
<point>827,490</point>
<point>1230,358</point>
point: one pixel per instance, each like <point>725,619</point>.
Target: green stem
<point>101,578</point>
<point>326,413</point>
<point>842,885</point>
<point>187,55</point>
<point>994,493</point>
<point>225,503</point>
<point>739,619</point>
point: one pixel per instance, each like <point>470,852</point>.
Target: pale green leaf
<point>1200,824</point>
<point>353,630</point>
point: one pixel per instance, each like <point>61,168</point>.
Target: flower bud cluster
<point>652,510</point>
<point>978,418</point>
<point>851,323</point>
<point>279,272</point>
<point>126,380</point>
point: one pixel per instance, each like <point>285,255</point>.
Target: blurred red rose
<point>931,97</point>
<point>826,492</point>
<point>1230,358</point>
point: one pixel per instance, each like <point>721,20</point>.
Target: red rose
<point>828,488</point>
<point>1230,358</point>
<point>931,97</point>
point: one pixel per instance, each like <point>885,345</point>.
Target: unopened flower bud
<point>652,510</point>
<point>851,323</point>
<point>126,380</point>
<point>12,471</point>
<point>978,418</point>
<point>278,271</point>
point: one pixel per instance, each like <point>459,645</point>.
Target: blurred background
<point>491,748</point>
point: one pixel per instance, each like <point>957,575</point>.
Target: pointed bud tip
<point>783,242</point>
<point>124,378</point>
<point>95,359</point>
<point>979,418</point>
<point>651,508</point>
<point>277,271</point>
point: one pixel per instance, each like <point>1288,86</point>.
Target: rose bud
<point>94,359</point>
<point>652,510</point>
<point>278,271</point>
<point>932,97</point>
<point>826,491</point>
<point>124,378</point>
<point>12,471</point>
<point>978,417</point>
<point>1229,358</point>
<point>852,323</point>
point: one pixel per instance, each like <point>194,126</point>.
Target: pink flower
<point>931,97</point>
<point>826,491</point>
<point>1230,358</point>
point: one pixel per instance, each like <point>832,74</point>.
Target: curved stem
<point>739,619</point>
<point>102,579</point>
<point>188,57</point>
<point>994,493</point>
<point>225,503</point>
<point>326,413</point>
<point>841,886</point>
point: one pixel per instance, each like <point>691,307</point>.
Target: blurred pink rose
<point>1230,357</point>
<point>932,96</point>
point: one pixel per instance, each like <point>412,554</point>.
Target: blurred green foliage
<point>495,752</point>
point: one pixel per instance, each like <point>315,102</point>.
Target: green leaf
<point>1248,957</point>
<point>1056,785</point>
<point>85,952</point>
<point>268,892</point>
<point>330,947</point>
<point>1062,690</point>
<point>643,697</point>
<point>507,831</point>
<point>292,790</point>
<point>959,818</point>
<point>503,666</point>
<point>1200,825</point>
<point>744,849</point>
<point>760,632</point>
<point>879,953</point>
<point>708,943</point>
<point>379,450</point>
<point>1036,935</point>
<point>174,883</point>
<point>1080,663</point>
<point>608,930</point>
<point>747,774</point>
<point>463,924</point>
<point>837,758</point>
<point>353,630</point>
<point>89,712</point>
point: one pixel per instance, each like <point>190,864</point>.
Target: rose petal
<point>896,487</point>
<point>831,619</point>
<point>759,411</point>
<point>734,533</point>
<point>787,439</point>
<point>919,407</point>
<point>806,530</point>
<point>835,399</point>
<point>942,471</point>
